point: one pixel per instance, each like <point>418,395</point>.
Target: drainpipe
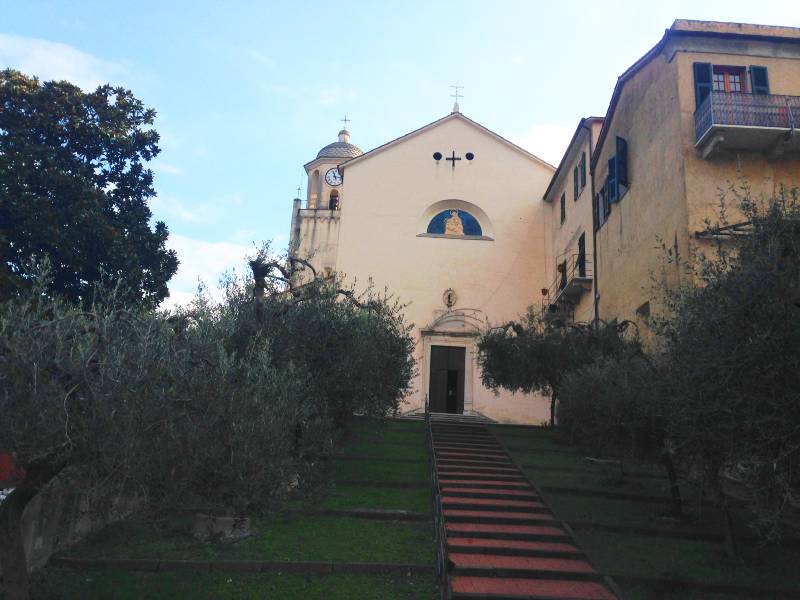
<point>594,228</point>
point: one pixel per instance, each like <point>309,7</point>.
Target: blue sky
<point>247,92</point>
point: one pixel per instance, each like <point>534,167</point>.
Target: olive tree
<point>731,345</point>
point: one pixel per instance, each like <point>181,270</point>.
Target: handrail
<point>746,110</point>
<point>438,518</point>
<point>577,265</point>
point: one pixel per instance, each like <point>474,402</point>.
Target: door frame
<point>458,340</point>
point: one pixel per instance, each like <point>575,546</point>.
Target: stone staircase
<point>501,539</point>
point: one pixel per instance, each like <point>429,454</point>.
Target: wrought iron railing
<point>746,110</point>
<point>577,266</point>
<point>440,534</point>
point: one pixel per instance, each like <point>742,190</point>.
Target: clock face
<point>333,177</point>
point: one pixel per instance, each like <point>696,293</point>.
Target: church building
<point>450,218</point>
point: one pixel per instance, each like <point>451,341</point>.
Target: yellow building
<point>710,103</point>
<point>570,290</point>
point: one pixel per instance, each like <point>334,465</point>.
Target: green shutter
<point>563,207</point>
<point>575,183</point>
<point>613,183</point>
<point>759,82</point>
<point>583,170</point>
<point>622,162</point>
<point>702,82</point>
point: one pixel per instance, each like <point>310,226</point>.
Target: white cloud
<point>169,207</point>
<point>201,261</point>
<point>55,61</point>
<point>548,141</point>
<point>260,57</point>
<point>323,94</point>
<point>166,168</point>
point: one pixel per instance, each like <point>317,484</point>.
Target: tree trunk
<point>553,409</point>
<point>674,488</point>
<point>731,543</point>
<point>12,548</point>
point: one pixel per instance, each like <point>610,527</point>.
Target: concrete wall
<point>389,198</point>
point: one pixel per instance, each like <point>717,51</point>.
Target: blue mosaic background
<point>470,223</point>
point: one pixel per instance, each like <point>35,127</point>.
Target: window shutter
<point>613,183</point>
<point>596,212</point>
<point>575,183</point>
<point>604,198</point>
<point>759,82</point>
<point>702,82</point>
<point>583,170</point>
<point>563,207</point>
<point>622,161</point>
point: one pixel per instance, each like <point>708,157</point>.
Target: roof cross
<point>457,88</point>
<point>345,121</point>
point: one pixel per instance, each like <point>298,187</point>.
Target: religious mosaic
<point>454,222</point>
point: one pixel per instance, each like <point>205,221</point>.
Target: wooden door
<point>446,390</point>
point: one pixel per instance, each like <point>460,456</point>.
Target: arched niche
<point>474,222</point>
<point>333,200</point>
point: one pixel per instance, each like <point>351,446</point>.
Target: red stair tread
<point>502,528</point>
<point>457,512</point>
<point>461,479</point>
<point>530,588</point>
<point>536,563</point>
<point>479,490</point>
<point>470,542</point>
<point>493,502</point>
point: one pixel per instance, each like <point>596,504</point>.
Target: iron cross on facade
<point>453,158</point>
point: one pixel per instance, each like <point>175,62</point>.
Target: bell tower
<point>315,222</point>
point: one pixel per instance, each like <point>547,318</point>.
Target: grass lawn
<point>630,554</point>
<point>289,536</point>
<point>625,554</point>
<point>123,585</point>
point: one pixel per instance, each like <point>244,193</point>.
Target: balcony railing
<point>573,279</point>
<point>764,111</point>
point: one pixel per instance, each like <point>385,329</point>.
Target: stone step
<point>502,464</point>
<point>490,504</point>
<point>487,483</point>
<point>478,492</point>
<point>507,517</point>
<point>475,545</point>
<point>500,531</point>
<point>471,587</point>
<point>462,560</point>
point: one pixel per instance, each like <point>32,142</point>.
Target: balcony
<point>573,280</point>
<point>762,123</point>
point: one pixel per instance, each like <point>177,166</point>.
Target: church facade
<point>450,219</point>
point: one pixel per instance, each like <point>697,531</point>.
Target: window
<point>728,79</point>
<point>563,207</point>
